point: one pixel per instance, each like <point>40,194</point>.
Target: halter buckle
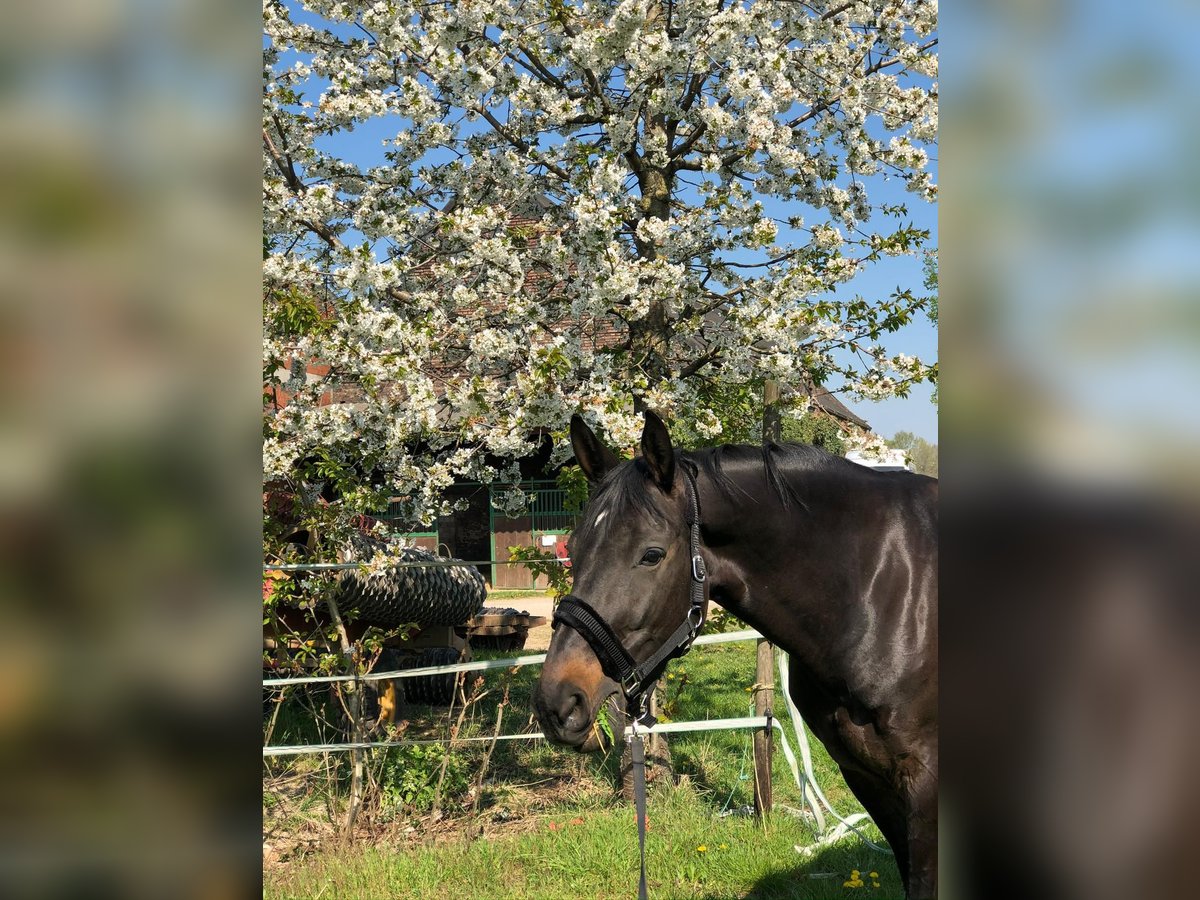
<point>699,573</point>
<point>643,718</point>
<point>639,713</point>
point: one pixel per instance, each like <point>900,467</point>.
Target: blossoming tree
<point>584,205</point>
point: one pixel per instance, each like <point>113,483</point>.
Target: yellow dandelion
<point>873,874</point>
<point>723,847</point>
<point>855,880</point>
<point>875,884</point>
<point>702,849</point>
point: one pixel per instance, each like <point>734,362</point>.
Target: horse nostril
<point>569,715</point>
<point>574,713</point>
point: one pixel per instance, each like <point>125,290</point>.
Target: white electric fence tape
<point>806,781</point>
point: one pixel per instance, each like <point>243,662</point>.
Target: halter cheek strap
<point>636,678</point>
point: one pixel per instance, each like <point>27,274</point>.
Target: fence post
<point>764,696</point>
<point>764,671</point>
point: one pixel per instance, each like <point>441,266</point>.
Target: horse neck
<point>771,562</point>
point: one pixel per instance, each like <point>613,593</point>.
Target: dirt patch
<point>538,639</point>
<point>536,605</point>
<point>294,830</point>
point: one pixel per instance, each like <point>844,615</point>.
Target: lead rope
<point>637,746</point>
<point>699,572</point>
<point>637,753</point>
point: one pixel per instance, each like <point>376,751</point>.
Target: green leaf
<point>603,724</point>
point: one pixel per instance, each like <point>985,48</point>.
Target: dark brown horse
<point>833,562</point>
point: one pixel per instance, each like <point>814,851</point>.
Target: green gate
<point>545,514</point>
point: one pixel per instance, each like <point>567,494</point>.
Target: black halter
<point>636,678</point>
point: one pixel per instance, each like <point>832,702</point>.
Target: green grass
<point>549,823</point>
<point>515,593</point>
<point>713,682</point>
<point>598,858</point>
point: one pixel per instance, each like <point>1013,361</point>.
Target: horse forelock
<point>625,491</point>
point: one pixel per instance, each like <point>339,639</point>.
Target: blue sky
<point>915,413</point>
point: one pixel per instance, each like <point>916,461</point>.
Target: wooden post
<point>764,695</point>
<point>764,670</point>
<point>772,419</point>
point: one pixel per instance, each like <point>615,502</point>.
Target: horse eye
<point>652,557</point>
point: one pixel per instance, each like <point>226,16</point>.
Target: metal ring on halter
<point>641,711</point>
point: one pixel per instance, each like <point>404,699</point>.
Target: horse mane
<point>778,462</point>
<point>624,488</point>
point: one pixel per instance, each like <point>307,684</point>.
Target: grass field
<point>546,823</point>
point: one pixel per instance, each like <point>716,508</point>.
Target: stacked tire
<point>430,592</point>
<point>510,642</point>
<point>423,590</point>
<point>434,690</point>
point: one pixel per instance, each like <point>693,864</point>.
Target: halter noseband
<point>635,678</point>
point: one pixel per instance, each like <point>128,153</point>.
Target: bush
<point>409,776</point>
<point>543,562</point>
<point>818,430</point>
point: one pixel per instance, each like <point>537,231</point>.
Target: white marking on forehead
<point>600,518</point>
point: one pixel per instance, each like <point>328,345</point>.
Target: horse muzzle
<point>571,718</point>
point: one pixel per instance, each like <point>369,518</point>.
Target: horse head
<point>631,559</point>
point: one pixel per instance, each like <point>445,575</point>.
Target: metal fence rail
<point>660,728</point>
<point>404,564</point>
<point>805,782</point>
<point>525,660</point>
<point>810,791</point>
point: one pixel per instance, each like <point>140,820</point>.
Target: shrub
<point>409,775</point>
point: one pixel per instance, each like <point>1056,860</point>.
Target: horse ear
<point>593,457</point>
<point>658,452</point>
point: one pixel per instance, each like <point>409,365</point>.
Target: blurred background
<point>1071,269</point>
<point>130,262</point>
<point>1069,438</point>
<point>129,254</point>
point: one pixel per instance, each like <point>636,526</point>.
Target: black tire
<point>434,690</point>
<point>515,641</point>
<point>424,595</point>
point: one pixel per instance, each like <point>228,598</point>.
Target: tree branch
<point>699,363</point>
<point>283,163</point>
<point>840,9</point>
<point>522,145</point>
<point>689,142</point>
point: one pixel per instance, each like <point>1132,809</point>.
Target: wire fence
<point>748,722</point>
<point>407,564</point>
<point>802,770</point>
<point>528,659</point>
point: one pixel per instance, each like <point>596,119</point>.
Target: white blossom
<point>576,206</point>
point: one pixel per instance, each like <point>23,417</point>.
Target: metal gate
<point>545,515</point>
